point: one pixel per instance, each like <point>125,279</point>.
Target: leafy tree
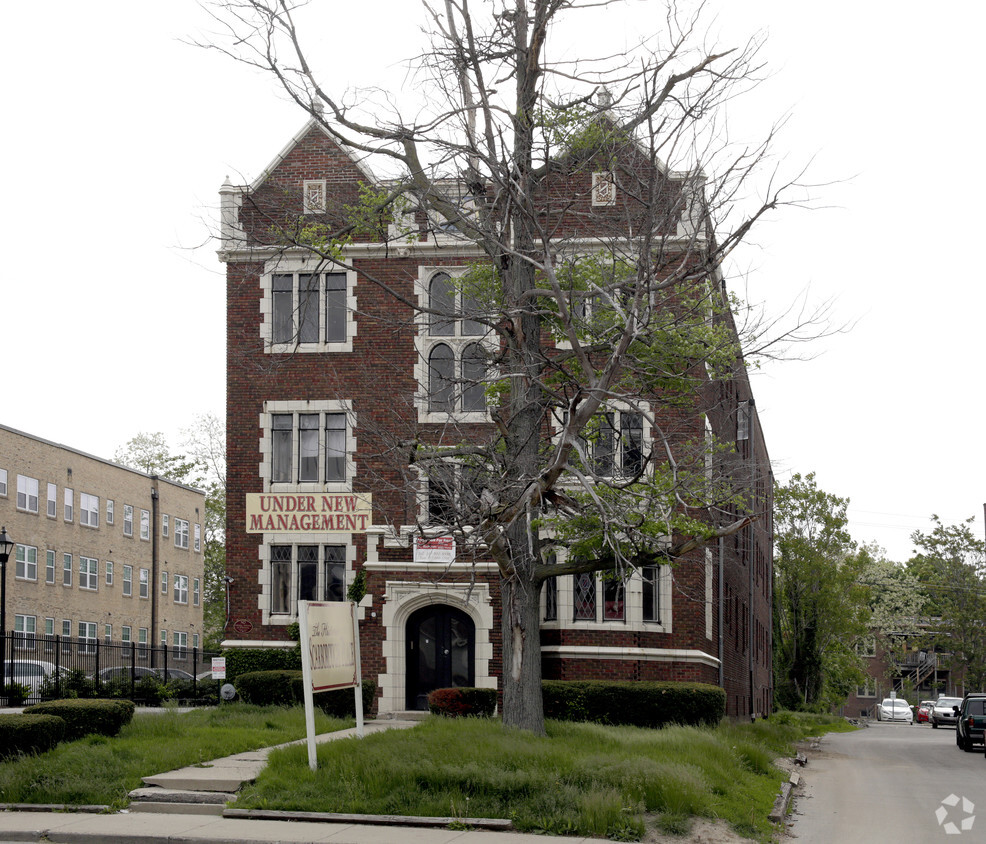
<point>820,606</point>
<point>151,453</point>
<point>204,467</point>
<point>950,567</point>
<point>586,310</point>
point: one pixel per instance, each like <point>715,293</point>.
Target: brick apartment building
<point>103,553</point>
<point>324,370</point>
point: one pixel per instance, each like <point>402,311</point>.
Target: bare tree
<point>597,302</point>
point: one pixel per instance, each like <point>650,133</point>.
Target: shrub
<point>270,688</point>
<point>641,704</point>
<point>341,703</point>
<point>465,701</point>
<point>29,733</point>
<point>286,688</point>
<point>82,717</point>
<point>15,693</point>
<point>243,660</point>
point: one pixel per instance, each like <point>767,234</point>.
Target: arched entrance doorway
<point>441,651</point>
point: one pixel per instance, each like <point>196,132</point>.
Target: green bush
<point>635,703</point>
<point>28,733</point>
<point>82,717</point>
<point>341,703</point>
<point>270,688</point>
<point>464,701</point>
<point>243,660</point>
<point>286,688</point>
<point>15,693</point>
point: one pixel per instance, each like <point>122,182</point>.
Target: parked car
<point>122,672</point>
<point>31,673</point>
<point>895,709</point>
<point>943,712</point>
<point>922,715</point>
<point>970,720</point>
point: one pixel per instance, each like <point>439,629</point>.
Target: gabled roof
<point>312,123</point>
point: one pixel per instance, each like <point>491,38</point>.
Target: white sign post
<point>329,658</point>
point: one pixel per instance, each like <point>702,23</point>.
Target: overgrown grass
<point>582,779</point>
<point>101,770</point>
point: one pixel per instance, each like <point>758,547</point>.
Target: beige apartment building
<point>103,553</point>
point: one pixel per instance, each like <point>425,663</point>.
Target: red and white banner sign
<point>440,549</point>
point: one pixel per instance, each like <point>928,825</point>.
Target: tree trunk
<point>520,624</point>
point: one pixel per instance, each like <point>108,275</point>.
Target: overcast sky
<point>118,137</point>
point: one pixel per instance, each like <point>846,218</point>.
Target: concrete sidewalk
<point>184,806</point>
<point>123,828</point>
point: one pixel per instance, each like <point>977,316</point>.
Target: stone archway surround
<point>402,598</point>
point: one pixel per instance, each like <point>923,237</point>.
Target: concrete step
<point>404,715</point>
<point>177,808</point>
<point>179,801</point>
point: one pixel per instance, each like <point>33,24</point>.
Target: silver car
<point>942,712</point>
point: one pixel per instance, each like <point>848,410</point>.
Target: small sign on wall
<point>439,549</point>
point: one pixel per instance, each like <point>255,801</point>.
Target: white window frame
<point>197,538</point>
<point>297,409</point>
<point>633,598</point>
<point>67,576</point>
<point>144,583</point>
<point>145,525</point>
<point>52,510</point>
<point>88,573</point>
<point>27,494</point>
<point>181,589</point>
<point>25,562</point>
<point>295,268</point>
<point>457,342</point>
<point>289,599</point>
<point>69,505</point>
<point>165,581</point>
<point>128,581</point>
<point>108,566</point>
<point>88,637</point>
<point>164,525</point>
<point>196,591</point>
<point>179,645</point>
<point>128,520</point>
<point>3,483</point>
<point>126,634</point>
<point>109,511</point>
<point>49,566</point>
<point>181,533</point>
<point>88,510</point>
<point>25,630</point>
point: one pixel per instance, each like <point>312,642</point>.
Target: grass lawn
<point>101,770</point>
<point>582,779</point>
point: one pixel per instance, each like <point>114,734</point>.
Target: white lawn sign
<point>329,658</point>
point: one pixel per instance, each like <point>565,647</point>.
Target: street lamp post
<point>6,543</point>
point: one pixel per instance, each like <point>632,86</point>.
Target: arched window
<point>441,376</point>
<point>474,377</point>
<point>441,298</point>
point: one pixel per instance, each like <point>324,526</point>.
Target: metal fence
<point>61,666</point>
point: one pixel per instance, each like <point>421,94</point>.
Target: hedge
<point>637,703</point>
<point>84,716</point>
<point>462,701</point>
<point>28,733</point>
<point>247,660</point>
<point>286,688</point>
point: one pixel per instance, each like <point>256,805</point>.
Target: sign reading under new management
<point>334,512</point>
